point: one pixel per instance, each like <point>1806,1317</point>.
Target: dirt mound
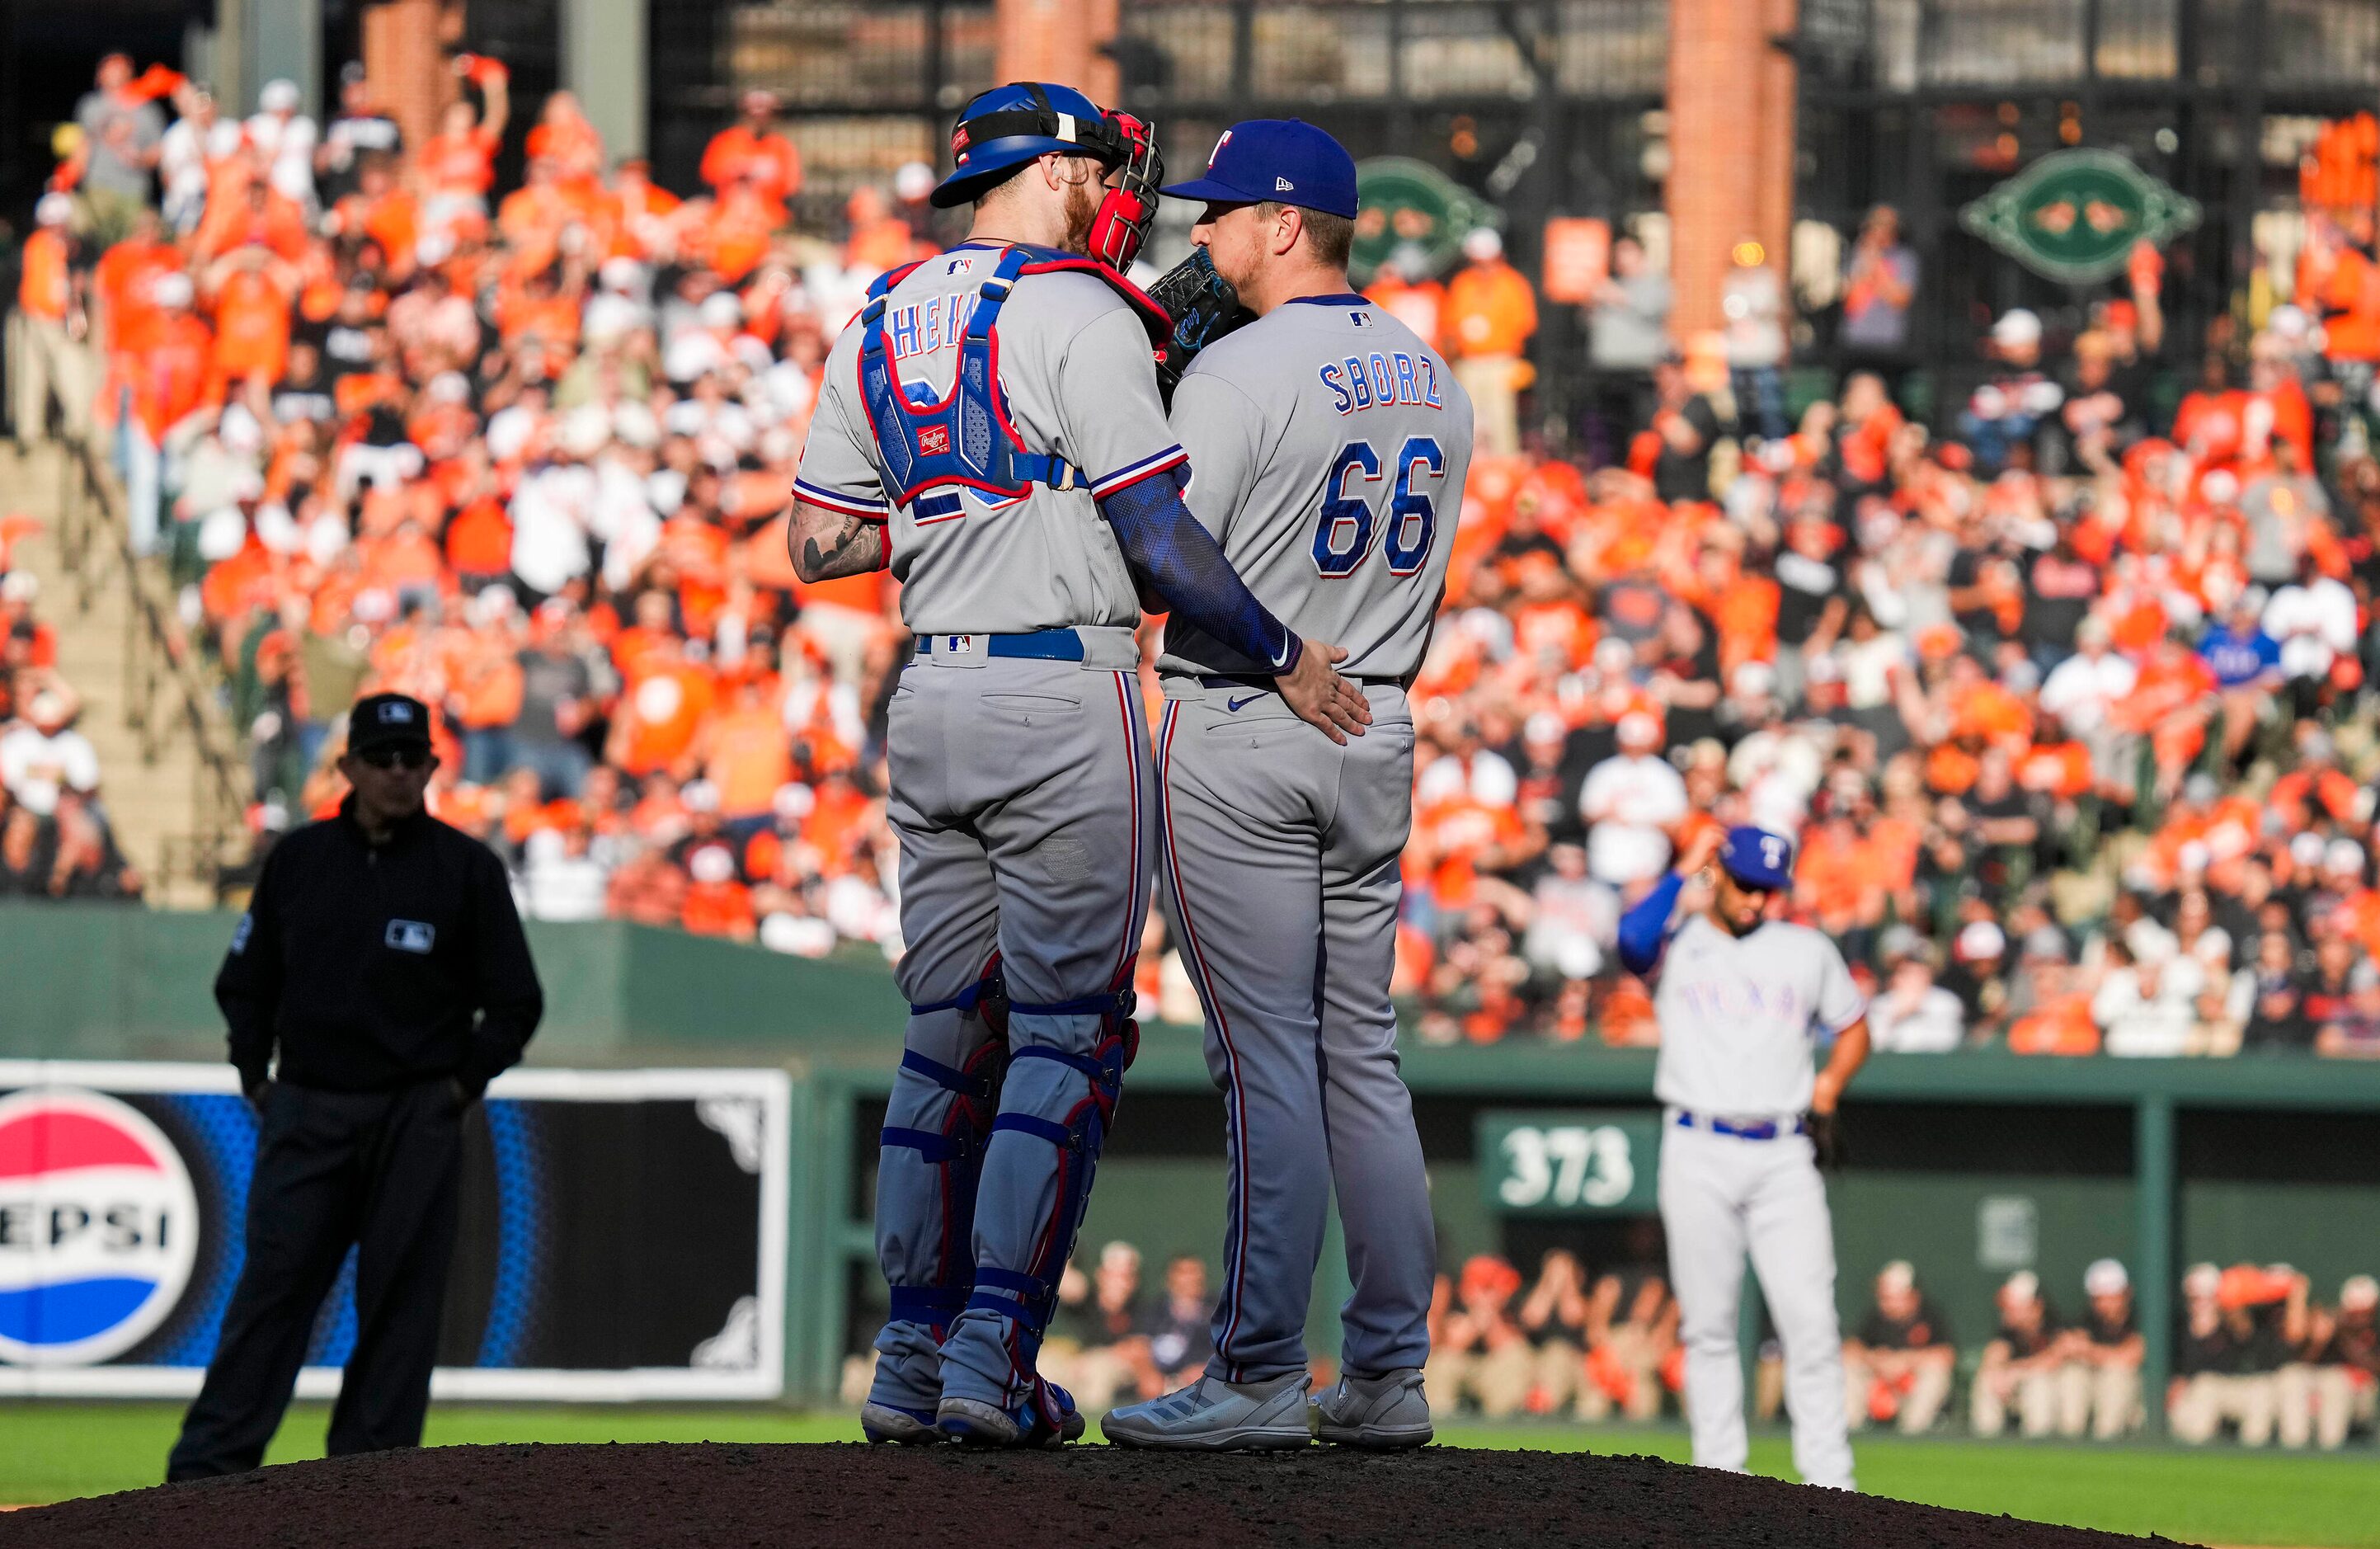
<point>830,1496</point>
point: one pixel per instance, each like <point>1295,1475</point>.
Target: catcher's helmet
<point>1008,125</point>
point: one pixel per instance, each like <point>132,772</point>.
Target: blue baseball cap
<point>1284,159</point>
<point>1755,857</point>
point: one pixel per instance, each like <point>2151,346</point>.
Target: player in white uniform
<point>1330,444</point>
<point>1740,997</point>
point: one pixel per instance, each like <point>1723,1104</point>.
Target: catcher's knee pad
<point>1030,1296</point>
<point>944,1114</point>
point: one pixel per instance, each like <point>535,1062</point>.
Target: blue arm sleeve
<point>1644,930</point>
<point>1181,559</point>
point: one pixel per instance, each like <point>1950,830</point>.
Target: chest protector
<point>965,439</point>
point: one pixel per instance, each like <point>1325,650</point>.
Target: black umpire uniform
<point>389,972</point>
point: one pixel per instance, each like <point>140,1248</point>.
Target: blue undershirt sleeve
<point>1182,561</point>
<point>1644,930</point>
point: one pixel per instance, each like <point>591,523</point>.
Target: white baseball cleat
<point>1212,1415</point>
<point>1386,1413</point>
<point>893,1423</point>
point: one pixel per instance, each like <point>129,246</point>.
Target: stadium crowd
<point>2257,1358</point>
<point>55,841</point>
<point>2064,701</point>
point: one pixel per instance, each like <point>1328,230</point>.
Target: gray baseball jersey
<point>1020,792</point>
<point>1327,446</point>
<point>1737,1015</point>
<point>1078,381</point>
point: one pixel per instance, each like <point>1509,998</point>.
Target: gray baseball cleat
<point>1212,1415</point>
<point>1386,1413</point>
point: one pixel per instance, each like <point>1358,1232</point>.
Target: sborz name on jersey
<point>1383,382</point>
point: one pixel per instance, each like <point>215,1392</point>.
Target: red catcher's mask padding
<point>1126,214</point>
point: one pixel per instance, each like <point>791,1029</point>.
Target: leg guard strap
<point>1058,1135</point>
<point>931,1305</point>
<point>933,1148</point>
<point>992,986</point>
<point>1089,1065</point>
<point>1032,1296</point>
<point>1111,1003</point>
<point>979,1085</point>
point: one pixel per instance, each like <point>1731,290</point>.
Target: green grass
<point>55,1451</point>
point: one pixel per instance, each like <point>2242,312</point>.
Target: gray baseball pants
<point>1022,797</point>
<point>1281,856</point>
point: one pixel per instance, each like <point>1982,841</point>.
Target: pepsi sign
<point>99,1226</point>
<point>624,1235</point>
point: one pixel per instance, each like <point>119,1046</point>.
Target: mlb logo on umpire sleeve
<point>412,935</point>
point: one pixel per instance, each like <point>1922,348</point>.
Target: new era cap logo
<point>1282,185</point>
<point>393,713</point>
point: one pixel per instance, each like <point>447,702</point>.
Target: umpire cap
<point>387,721</point>
<point>1755,857</point>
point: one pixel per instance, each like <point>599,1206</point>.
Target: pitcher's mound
<point>851,1496</point>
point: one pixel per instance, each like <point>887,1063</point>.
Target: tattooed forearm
<point>824,544</point>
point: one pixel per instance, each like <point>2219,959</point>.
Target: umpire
<point>382,959</point>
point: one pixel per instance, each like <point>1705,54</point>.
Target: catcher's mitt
<point>1204,308</point>
<point>1827,1136</point>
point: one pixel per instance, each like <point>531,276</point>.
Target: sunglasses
<point>399,757</point>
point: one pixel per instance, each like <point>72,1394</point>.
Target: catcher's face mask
<point>1130,206</point>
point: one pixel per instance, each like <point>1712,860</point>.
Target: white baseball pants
<point>1721,1195</point>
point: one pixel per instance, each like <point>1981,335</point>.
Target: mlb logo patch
<point>412,935</point>
<point>394,714</point>
<point>934,441</point>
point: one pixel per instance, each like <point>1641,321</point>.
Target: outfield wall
<point>1969,1164</point>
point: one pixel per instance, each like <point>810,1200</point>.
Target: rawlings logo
<point>934,441</point>
<point>959,137</point>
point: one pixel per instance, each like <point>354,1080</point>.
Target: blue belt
<point>1766,1130</point>
<point>1041,645</point>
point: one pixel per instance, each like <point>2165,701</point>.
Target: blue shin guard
<point>938,1125</point>
<point>1042,1198</point>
